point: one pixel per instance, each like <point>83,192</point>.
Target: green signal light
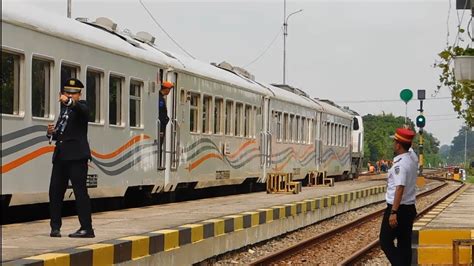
<point>420,121</point>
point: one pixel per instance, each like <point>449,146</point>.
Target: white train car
<point>225,127</point>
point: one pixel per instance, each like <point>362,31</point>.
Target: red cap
<point>167,84</point>
<point>404,135</point>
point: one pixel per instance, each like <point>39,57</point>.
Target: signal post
<point>420,123</point>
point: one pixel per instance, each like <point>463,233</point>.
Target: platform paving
<point>458,214</point>
<point>32,238</point>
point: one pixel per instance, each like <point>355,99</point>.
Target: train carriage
<point>225,127</point>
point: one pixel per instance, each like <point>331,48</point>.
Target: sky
<point>359,54</point>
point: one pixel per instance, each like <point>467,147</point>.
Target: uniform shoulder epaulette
<point>399,159</point>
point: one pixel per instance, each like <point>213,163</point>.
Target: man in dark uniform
<point>70,159</point>
<point>397,222</point>
<point>166,87</point>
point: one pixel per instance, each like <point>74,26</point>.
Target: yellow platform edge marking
<point>140,245</point>
<point>170,237</point>
<point>442,236</point>
<point>442,255</point>
<point>52,259</point>
<point>102,254</point>
<point>197,231</point>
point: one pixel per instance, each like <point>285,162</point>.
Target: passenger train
<point>226,128</point>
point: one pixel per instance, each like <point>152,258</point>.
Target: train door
<point>265,139</point>
<point>167,140</point>
<point>318,140</point>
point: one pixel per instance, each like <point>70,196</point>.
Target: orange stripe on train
<point>46,149</point>
<point>120,149</point>
<point>203,159</point>
<point>247,143</point>
<point>24,159</point>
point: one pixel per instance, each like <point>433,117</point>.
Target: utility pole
<point>285,33</point>
<point>465,147</point>
<point>69,8</point>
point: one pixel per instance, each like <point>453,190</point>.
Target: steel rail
<point>296,248</point>
<point>365,250</point>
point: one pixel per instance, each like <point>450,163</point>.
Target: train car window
<point>304,129</point>
<point>206,114</point>
<point>115,100</point>
<point>10,83</point>
<point>278,126</point>
<point>228,117</point>
<point>285,127</point>
<point>334,136</point>
<point>355,126</point>
<point>310,130</point>
<point>67,72</point>
<point>247,118</point>
<point>93,92</point>
<point>40,87</point>
<point>253,123</point>
<point>238,119</point>
<point>135,103</point>
<point>194,112</point>
<point>297,128</point>
<point>291,130</point>
<point>218,108</point>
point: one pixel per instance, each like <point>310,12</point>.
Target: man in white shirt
<point>400,214</point>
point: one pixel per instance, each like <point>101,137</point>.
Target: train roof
<point>334,110</point>
<point>115,42</point>
<point>125,44</point>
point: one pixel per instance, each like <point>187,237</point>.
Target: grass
<point>470,179</point>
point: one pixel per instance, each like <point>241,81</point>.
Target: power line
<point>266,49</point>
<point>167,34</point>
<point>387,100</point>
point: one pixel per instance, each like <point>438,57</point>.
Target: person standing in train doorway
<point>70,159</point>
<point>166,87</point>
<point>397,222</point>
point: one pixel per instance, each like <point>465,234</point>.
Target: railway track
<point>307,250</point>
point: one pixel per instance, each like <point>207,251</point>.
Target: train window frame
<point>218,116</point>
<point>253,122</point>
<point>49,100</point>
<point>197,109</point>
<point>139,98</point>
<point>120,114</point>
<point>311,130</point>
<point>279,120</point>
<point>239,113</point>
<point>100,110</point>
<point>229,116</point>
<point>206,114</point>
<point>18,95</point>
<point>68,64</point>
<point>247,120</point>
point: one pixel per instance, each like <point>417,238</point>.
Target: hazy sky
<point>340,50</point>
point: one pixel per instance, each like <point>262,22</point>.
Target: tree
<point>378,145</point>
<point>456,153</point>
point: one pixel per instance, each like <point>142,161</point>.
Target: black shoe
<point>55,233</point>
<point>81,233</point>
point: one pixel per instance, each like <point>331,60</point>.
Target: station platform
<point>186,232</point>
<point>434,233</point>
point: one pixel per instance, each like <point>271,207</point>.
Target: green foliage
<point>455,154</point>
<point>462,92</point>
<point>378,144</point>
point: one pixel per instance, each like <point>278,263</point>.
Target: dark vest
<point>71,141</point>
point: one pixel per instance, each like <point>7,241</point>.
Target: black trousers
<point>401,253</point>
<point>76,171</point>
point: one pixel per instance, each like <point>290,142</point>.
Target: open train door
<point>168,142</point>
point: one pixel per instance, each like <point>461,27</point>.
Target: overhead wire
<point>266,49</point>
<point>163,29</point>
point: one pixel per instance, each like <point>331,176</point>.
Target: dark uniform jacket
<point>163,113</point>
<point>72,143</point>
